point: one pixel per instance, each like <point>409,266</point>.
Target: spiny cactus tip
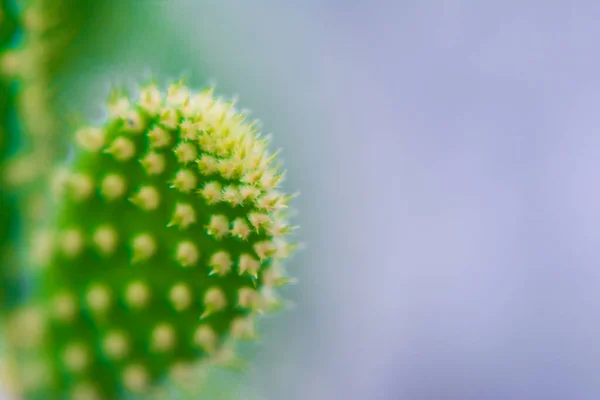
<point>172,225</point>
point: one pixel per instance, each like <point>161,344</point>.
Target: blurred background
<point>445,153</point>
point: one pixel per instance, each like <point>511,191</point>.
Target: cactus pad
<point>168,235</point>
<point>8,29</point>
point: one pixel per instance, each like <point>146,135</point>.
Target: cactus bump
<point>169,235</point>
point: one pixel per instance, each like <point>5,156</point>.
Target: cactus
<point>8,28</point>
<point>169,231</point>
<point>48,28</point>
<point>7,31</point>
<point>30,64</point>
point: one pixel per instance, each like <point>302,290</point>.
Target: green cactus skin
<point>48,27</point>
<point>169,235</point>
<point>30,64</point>
<point>8,24</point>
<point>8,28</point>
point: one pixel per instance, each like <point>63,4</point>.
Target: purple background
<point>456,256</point>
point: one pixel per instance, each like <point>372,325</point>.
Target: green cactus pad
<point>169,232</point>
<point>30,63</point>
<point>7,23</point>
<point>34,38</point>
<point>8,28</point>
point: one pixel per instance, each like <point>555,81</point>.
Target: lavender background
<point>445,152</point>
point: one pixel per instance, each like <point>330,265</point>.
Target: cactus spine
<point>170,231</point>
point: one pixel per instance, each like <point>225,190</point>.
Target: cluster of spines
<point>233,164</point>
<point>226,183</point>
